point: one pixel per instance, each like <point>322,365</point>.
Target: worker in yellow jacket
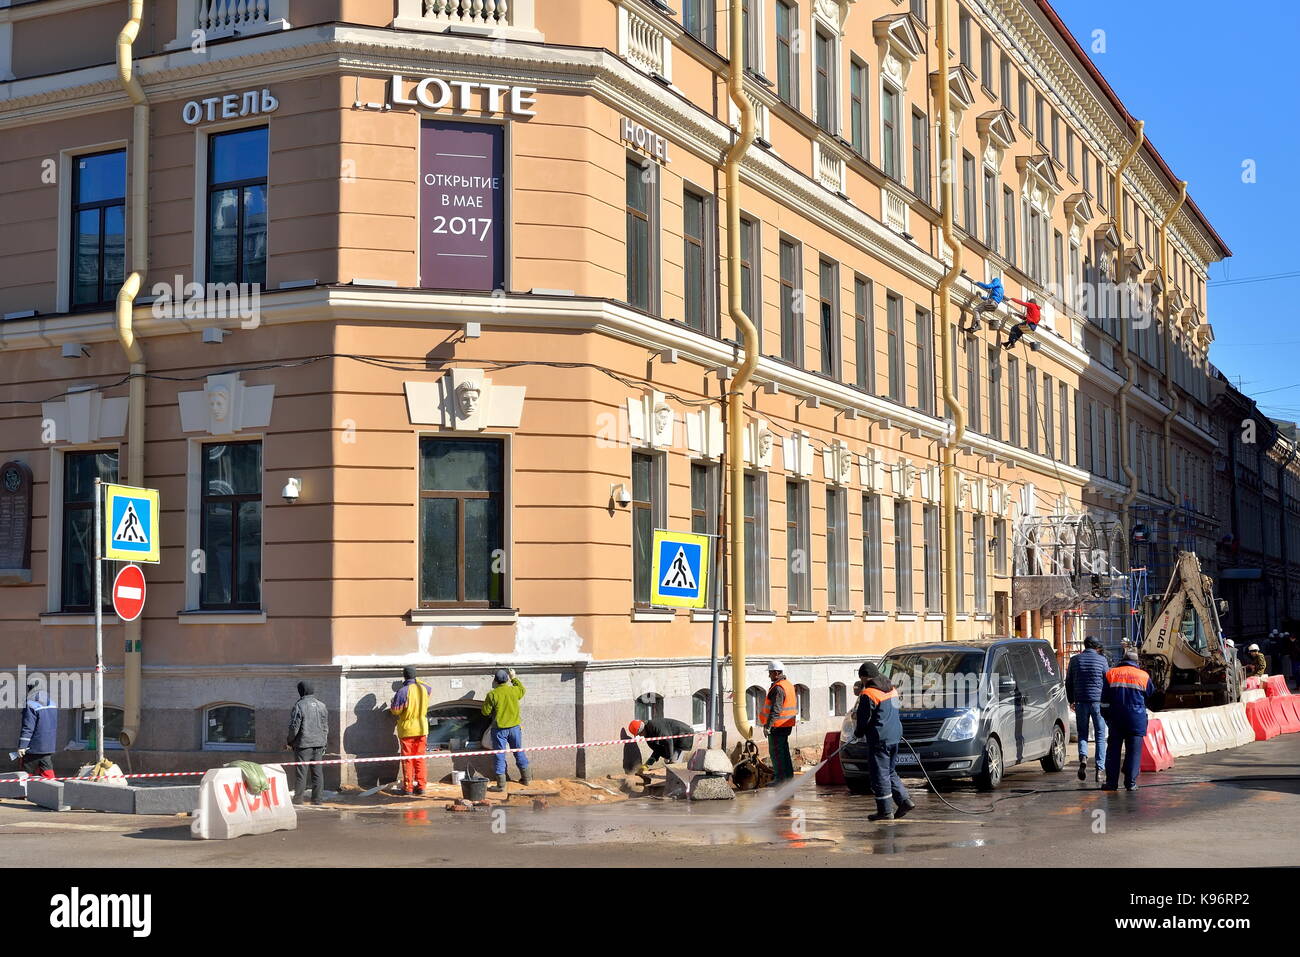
<point>411,706</point>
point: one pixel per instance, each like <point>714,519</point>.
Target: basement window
<point>229,727</point>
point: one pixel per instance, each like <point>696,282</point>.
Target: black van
<point>970,709</point>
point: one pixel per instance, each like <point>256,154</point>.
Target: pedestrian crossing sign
<point>130,524</point>
<point>680,572</point>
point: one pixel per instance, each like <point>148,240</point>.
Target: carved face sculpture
<point>764,444</point>
<point>219,403</point>
<point>844,461</point>
<point>663,419</point>
<point>467,396</point>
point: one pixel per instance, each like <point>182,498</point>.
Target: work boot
<point>884,811</point>
<point>502,780</point>
<point>525,776</point>
<point>1083,769</point>
<point>904,809</point>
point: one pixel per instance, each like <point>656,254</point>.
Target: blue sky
<point>1217,85</point>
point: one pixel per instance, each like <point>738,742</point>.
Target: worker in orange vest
<point>777,718</point>
<point>1126,689</point>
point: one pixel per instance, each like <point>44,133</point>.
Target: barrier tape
<point>400,757</point>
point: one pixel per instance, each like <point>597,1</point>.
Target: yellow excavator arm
<point>1184,633</point>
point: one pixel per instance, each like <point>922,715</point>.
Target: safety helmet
<point>1253,648</point>
<point>634,727</point>
<point>776,664</point>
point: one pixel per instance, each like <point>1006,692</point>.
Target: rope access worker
<point>878,723</point>
<point>1125,692</point>
<point>1032,315</point>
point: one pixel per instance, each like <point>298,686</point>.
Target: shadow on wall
<point>371,735</point>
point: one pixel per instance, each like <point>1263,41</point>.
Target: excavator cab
<point>1183,650</point>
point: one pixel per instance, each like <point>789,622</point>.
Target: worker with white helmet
<point>778,716</point>
<point>1255,659</point>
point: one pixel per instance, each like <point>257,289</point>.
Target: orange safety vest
<point>1127,676</point>
<point>785,718</point>
<point>877,696</point>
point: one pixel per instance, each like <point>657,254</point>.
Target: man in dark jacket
<point>1084,680</point>
<point>669,749</point>
<point>878,723</point>
<point>309,727</point>
<point>36,740</point>
<point>1125,693</point>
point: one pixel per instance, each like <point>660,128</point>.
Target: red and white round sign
<point>128,593</point>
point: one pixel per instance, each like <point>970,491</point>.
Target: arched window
<point>754,698</point>
<point>648,706</point>
<point>838,699</point>
<point>804,699</point>
<point>229,727</point>
<point>700,708</point>
<point>87,730</point>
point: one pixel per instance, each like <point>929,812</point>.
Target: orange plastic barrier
<point>1263,720</point>
<point>832,772</point>
<point>1275,687</point>
<point>1251,683</point>
<point>1286,711</point>
<point>1155,749</point>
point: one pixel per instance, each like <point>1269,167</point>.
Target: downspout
<point>1167,423</point>
<point>956,414</point>
<point>749,352</point>
<point>1130,368</point>
<point>126,333</point>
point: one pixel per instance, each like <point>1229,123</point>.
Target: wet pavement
<point>1246,816</point>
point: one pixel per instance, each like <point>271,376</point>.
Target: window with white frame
<point>979,562</point>
<point>88,730</point>
<point>903,588</point>
<point>826,74</point>
<point>229,727</point>
<point>751,276</point>
<point>930,559</point>
<point>462,522</point>
<point>864,333</point>
<point>873,599</point>
<point>860,107</point>
<point>837,550</point>
<point>77,547</point>
<point>756,554</point>
<point>797,548</point>
<point>787,52</point>
<point>838,703</point>
<point>98,216</point>
<point>237,164</point>
<point>705,494</point>
<point>648,513</point>
<point>891,134</point>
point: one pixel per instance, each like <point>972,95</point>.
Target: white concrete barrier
<point>1253,694</point>
<point>1183,732</point>
<point>1214,729</point>
<point>1241,729</point>
<point>227,810</point>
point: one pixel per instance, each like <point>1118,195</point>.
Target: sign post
<point>99,623</point>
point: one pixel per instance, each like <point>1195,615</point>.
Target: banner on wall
<point>462,205</point>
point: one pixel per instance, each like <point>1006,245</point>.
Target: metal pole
<point>99,620</point>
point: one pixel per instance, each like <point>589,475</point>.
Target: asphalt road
<point>1179,817</point>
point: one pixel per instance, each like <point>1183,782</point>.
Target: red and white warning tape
<point>409,757</point>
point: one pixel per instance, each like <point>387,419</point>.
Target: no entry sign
<point>128,593</point>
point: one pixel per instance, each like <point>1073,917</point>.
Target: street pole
<point>97,534</point>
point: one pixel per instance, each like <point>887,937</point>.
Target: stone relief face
<point>467,398</point>
<point>219,403</point>
<point>844,461</point>
<point>663,419</point>
<point>764,444</point>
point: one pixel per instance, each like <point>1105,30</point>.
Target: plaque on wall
<point>15,524</point>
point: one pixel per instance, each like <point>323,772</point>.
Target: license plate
<point>906,759</point>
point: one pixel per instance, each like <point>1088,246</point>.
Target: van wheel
<point>858,785</point>
<point>1054,760</point>
<point>991,776</point>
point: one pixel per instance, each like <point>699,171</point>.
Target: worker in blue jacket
<point>1084,681</point>
<point>1126,690</point>
<point>36,739</point>
<point>878,723</point>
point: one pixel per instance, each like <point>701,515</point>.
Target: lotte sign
<point>128,593</point>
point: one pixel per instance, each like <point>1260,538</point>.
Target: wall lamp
<point>619,493</point>
<point>292,489</point>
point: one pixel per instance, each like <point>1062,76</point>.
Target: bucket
<point>474,789</point>
<point>457,777</point>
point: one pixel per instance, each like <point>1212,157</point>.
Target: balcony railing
<point>219,16</point>
<point>472,13</point>
<point>497,18</point>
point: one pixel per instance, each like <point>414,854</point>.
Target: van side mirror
<point>1006,687</point>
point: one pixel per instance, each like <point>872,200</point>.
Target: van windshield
<point>935,679</point>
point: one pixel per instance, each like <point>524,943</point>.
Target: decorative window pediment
<point>1205,334</point>
<point>1135,264</point>
<point>1041,184</point>
<point>1078,209</point>
<point>897,34</point>
<point>1105,239</point>
<point>1176,301</point>
<point>959,86</point>
<point>833,12</point>
<point>996,127</point>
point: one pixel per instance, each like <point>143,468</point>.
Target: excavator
<point>1184,650</point>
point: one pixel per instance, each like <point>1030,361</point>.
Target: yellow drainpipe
<point>1172,397</point>
<point>1130,368</point>
<point>126,333</point>
<point>955,410</point>
<point>749,352</point>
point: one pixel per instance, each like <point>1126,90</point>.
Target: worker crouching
<point>879,725</point>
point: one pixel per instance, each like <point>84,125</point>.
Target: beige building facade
<point>452,275</point>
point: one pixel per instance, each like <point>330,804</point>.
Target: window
<point>787,70</point>
<point>924,362</point>
<point>231,525</point>
<point>1006,84</point>
<point>864,333</point>
<point>930,560</point>
<point>803,700</point>
<point>461,522</point>
<point>1056,136</point>
<point>959,540</point>
<point>897,369</point>
<point>918,10</point>
<point>648,706</point>
<point>1058,257</point>
<point>642,218</point>
<point>991,209</point>
<point>705,478</point>
<point>890,146</point>
<point>1073,279</point>
<point>1087,169</point>
<point>756,597</point>
<point>860,105</point>
<point>1101,187</point>
<point>98,228</point>
<point>921,155</point>
<point>751,298</point>
<point>1049,417</point>
<point>229,727</point>
<point>1023,97</point>
<point>1013,400</point>
<point>979,563</point>
<point>755,698</point>
<point>826,79</point>
<point>838,700</point>
<point>237,163</point>
<point>695,233</point>
<point>873,598</point>
<point>700,708</point>
<point>1040,118</point>
<point>751,26</point>
<point>837,550</point>
<point>829,314</point>
<point>647,515</point>
<point>1000,550</point>
<point>986,60</point>
<point>697,18</point>
<point>798,590</point>
<point>964,28</point>
<point>974,384</point>
<point>791,300</point>
<point>903,555</point>
<point>88,730</point>
<point>1031,399</point>
<point>969,219</point>
<point>1065,423</point>
<point>1009,222</point>
<point>80,469</point>
<point>995,392</point>
<point>1069,151</point>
